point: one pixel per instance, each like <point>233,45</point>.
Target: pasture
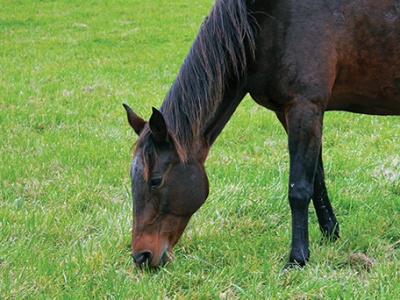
<point>65,203</point>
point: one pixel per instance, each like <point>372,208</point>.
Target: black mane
<point>218,56</point>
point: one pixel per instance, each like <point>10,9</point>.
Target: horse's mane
<point>218,56</point>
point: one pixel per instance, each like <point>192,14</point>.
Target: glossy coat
<point>296,58</point>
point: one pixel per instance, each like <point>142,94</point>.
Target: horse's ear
<point>158,127</point>
<point>136,122</point>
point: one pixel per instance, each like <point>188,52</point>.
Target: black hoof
<point>330,233</point>
<point>292,265</point>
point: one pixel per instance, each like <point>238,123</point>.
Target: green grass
<point>65,206</point>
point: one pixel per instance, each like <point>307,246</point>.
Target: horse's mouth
<point>165,257</point>
<point>161,260</point>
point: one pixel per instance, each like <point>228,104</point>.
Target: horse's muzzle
<point>142,258</point>
<point>146,258</point>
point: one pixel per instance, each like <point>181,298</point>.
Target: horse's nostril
<point>142,257</point>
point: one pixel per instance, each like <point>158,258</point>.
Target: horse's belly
<point>373,97</point>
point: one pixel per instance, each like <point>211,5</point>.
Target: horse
<point>296,58</point>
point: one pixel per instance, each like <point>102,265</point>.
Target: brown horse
<point>296,58</point>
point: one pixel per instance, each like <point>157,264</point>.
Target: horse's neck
<point>214,126</point>
<point>231,100</point>
<point>192,130</point>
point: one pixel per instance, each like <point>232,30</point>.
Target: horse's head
<point>166,192</point>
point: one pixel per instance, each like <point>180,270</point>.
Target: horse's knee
<point>299,196</point>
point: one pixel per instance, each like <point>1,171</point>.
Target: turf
<point>65,204</point>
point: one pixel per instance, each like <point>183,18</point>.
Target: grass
<point>65,208</point>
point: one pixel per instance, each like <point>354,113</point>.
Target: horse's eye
<point>155,183</point>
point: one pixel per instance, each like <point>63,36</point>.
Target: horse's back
<point>368,64</point>
<point>344,52</point>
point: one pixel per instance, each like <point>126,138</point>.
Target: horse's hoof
<point>330,233</point>
<point>292,265</point>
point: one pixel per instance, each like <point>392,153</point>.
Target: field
<point>65,149</point>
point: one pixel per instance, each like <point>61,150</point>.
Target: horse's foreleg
<point>304,126</point>
<point>326,217</point>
